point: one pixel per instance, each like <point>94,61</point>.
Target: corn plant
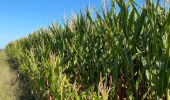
<point>122,52</point>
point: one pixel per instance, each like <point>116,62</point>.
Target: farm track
<point>9,85</point>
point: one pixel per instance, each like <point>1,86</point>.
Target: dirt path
<point>9,87</point>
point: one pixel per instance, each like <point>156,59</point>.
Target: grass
<point>8,90</point>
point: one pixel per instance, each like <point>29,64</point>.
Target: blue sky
<point>18,18</point>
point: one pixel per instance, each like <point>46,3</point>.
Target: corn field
<point>116,55</point>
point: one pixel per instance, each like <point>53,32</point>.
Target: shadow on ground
<point>25,91</point>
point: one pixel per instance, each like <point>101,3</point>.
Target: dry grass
<point>8,89</point>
